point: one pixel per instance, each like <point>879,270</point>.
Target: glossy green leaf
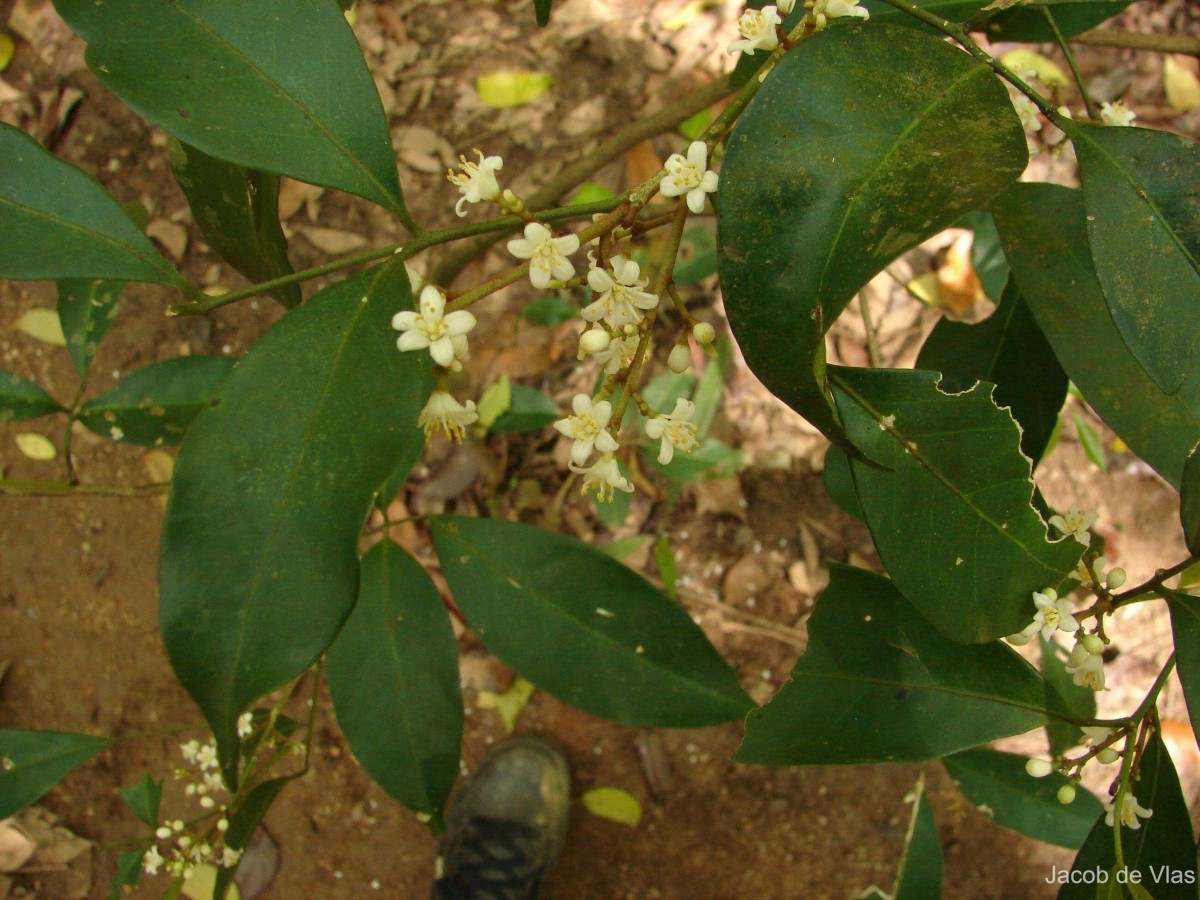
<point>1026,23</point>
<point>920,874</point>
<point>275,85</point>
<point>528,410</point>
<point>1043,230</point>
<point>259,561</point>
<point>1010,351</point>
<point>1081,701</point>
<point>21,399</point>
<point>155,405</point>
<point>1163,850</point>
<point>636,656</point>
<point>393,676</point>
<point>1185,627</point>
<point>410,444</point>
<point>32,762</point>
<point>1141,190</point>
<point>1093,448</point>
<point>877,683</point>
<point>839,483</point>
<point>1189,500</point>
<point>144,798</point>
<point>951,513</point>
<point>997,784</point>
<point>664,558</point>
<point>129,872</point>
<point>56,221</point>
<point>86,307</point>
<point>237,211</point>
<point>827,179</point>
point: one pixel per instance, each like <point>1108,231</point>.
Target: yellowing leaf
<point>926,289</point>
<point>495,401</point>
<point>614,804</point>
<point>6,50</point>
<point>501,90</point>
<point>1022,61</point>
<point>203,882</point>
<point>43,325</point>
<point>1181,85</point>
<point>36,446</point>
<point>509,704</point>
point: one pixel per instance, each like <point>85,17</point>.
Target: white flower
<point>245,724</point>
<point>443,333</point>
<point>151,860</point>
<point>478,181</point>
<point>445,414</point>
<point>1116,113</point>
<point>1086,669</point>
<point>206,758</point>
<point>1095,735</point>
<point>1130,812</point>
<point>618,355</point>
<point>1053,613</point>
<point>676,430</point>
<point>230,857</point>
<point>190,750</point>
<point>1027,112</point>
<point>824,10</point>
<point>691,176</point>
<point>1076,522</point>
<point>547,254</point>
<point>213,781</point>
<point>602,477</point>
<point>757,28</point>
<point>620,300</point>
<point>588,428</point>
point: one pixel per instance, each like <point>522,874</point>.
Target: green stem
<point>72,414</point>
<point>58,489</point>
<point>405,251</point>
<point>1092,110</point>
<point>1154,585</point>
<point>946,27</point>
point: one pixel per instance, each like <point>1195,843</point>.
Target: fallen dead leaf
<point>958,286</point>
<point>43,325</point>
<point>1180,83</point>
<point>332,240</point>
<point>15,846</point>
<point>720,497</point>
<point>295,194</point>
<point>172,236</point>
<point>749,577</point>
<point>258,866</point>
<point>509,704</point>
<point>424,150</point>
<point>36,446</point>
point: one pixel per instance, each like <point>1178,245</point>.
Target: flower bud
<point>1066,794</point>
<point>1092,643</point>
<point>704,333</point>
<point>1039,768</point>
<point>1107,756</point>
<point>1115,578</point>
<point>593,341</point>
<point>680,358</point>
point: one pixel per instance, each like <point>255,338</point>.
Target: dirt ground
<point>78,591</point>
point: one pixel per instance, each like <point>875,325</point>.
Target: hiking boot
<point>506,825</point>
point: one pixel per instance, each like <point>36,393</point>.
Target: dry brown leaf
<point>958,285</point>
<point>172,236</point>
<point>1180,83</point>
<point>15,846</point>
<point>295,194</point>
<point>641,163</point>
<point>720,497</point>
<point>424,150</point>
<point>332,240</point>
<point>749,577</point>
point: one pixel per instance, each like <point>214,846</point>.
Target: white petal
<point>709,182</point>
<point>566,245</point>
<point>403,321</point>
<point>412,340</point>
<point>459,322</point>
<point>433,302</point>
<point>442,351</point>
<point>606,443</point>
<point>539,278</point>
<point>602,412</point>
<point>580,451</point>
<point>599,280</point>
<point>695,200</point>
<point>654,428</point>
<point>521,249</point>
<point>698,155</point>
<point>665,452</point>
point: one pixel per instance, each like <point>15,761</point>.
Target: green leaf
<point>86,307</point>
<point>1093,449</point>
<point>1081,701</point>
<point>393,676</point>
<point>56,221</point>
<point>839,483</point>
<point>827,179</point>
<point>528,410</point>
<point>1189,501</point>
<point>707,396</point>
<point>21,399</point>
<point>987,256</point>
<point>155,405</point>
<point>1185,627</point>
<point>697,256</point>
<point>410,444</point>
<point>244,822</point>
<point>237,211</point>
<point>511,87</point>
<point>879,684</point>
<point>259,561</point>
<point>951,515</point>
<point>541,10</point>
<point>1162,850</point>
<point>1025,23</point>
<point>1141,190</point>
<point>550,310</point>
<point>32,762</point>
<point>536,599</point>
<point>664,558</point>
<point>920,874</point>
<point>588,192</point>
<point>711,460</point>
<point>144,798</point>
<point>1010,351</point>
<point>495,400</point>
<point>129,872</point>
<point>1043,230</point>
<point>998,786</point>
<point>275,85</point>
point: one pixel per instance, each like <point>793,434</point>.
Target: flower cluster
<point>588,428</point>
